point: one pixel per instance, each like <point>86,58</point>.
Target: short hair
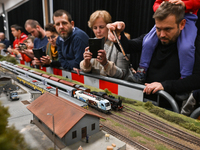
<point>61,12</point>
<point>99,13</point>
<point>32,23</point>
<point>32,38</point>
<point>50,27</point>
<point>2,45</point>
<point>16,27</point>
<point>166,9</point>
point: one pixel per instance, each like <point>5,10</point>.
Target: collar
<point>22,36</point>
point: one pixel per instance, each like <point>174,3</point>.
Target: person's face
<point>29,44</point>
<point>168,30</point>
<point>51,37</point>
<point>2,36</point>
<point>15,32</point>
<point>99,28</point>
<point>63,26</point>
<point>34,31</point>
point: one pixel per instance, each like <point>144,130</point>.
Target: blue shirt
<point>38,43</point>
<point>70,51</point>
<point>6,42</point>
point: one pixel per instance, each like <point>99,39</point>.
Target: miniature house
<point>71,122</point>
<point>34,95</point>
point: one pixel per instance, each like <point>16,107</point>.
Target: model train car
<point>116,104</point>
<point>68,87</point>
<point>43,87</point>
<point>93,100</point>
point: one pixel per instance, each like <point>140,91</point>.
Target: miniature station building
<point>71,122</point>
<point>34,95</point>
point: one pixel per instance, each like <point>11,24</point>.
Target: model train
<point>68,87</point>
<point>93,101</point>
<point>44,87</point>
<point>116,104</point>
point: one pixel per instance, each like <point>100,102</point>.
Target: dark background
<point>137,14</point>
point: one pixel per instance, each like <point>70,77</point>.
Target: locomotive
<point>93,101</point>
<point>116,104</point>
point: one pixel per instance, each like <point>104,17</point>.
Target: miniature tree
<point>10,138</point>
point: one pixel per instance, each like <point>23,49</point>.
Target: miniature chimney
<point>56,91</point>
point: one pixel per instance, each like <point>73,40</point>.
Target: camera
<point>22,46</point>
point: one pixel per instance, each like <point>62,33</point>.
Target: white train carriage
<point>93,100</point>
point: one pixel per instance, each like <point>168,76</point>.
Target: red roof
<point>66,114</point>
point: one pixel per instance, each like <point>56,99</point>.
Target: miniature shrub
<point>107,91</point>
<point>10,138</point>
<point>148,105</point>
<point>9,59</point>
<point>191,127</point>
<point>1,57</point>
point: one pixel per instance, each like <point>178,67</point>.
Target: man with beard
<point>34,28</point>
<point>71,42</point>
<point>164,68</point>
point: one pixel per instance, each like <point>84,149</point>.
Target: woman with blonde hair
<point>109,62</point>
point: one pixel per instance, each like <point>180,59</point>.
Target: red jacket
<point>23,37</point>
<point>20,40</point>
<point>191,5</point>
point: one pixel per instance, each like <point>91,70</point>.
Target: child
<point>28,52</point>
<point>3,50</point>
<point>185,43</point>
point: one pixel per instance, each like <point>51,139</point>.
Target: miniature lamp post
<point>53,130</point>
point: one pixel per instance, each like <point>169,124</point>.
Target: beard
<point>68,33</point>
<point>39,35</point>
<point>169,41</point>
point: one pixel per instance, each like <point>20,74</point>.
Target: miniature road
<point>20,118</point>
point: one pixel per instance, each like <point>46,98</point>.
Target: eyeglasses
<point>51,37</point>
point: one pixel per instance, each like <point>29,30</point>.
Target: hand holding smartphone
<point>38,53</point>
<point>95,45</point>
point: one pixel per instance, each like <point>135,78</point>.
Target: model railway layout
<point>46,83</point>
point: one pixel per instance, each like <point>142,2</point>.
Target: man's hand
<point>152,87</point>
<point>37,62</point>
<point>118,27</point>
<point>77,70</point>
<point>45,60</point>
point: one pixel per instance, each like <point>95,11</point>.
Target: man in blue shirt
<point>4,40</point>
<point>71,42</point>
<point>34,28</point>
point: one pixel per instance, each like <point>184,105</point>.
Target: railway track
<point>157,124</point>
<point>150,133</point>
<point>123,138</point>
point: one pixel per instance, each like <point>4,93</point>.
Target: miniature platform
<point>98,141</point>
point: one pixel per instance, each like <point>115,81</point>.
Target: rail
<point>162,93</point>
<point>120,86</point>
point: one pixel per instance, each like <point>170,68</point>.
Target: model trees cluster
<point>10,138</point>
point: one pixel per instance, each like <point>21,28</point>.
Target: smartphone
<point>95,45</point>
<point>38,53</point>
